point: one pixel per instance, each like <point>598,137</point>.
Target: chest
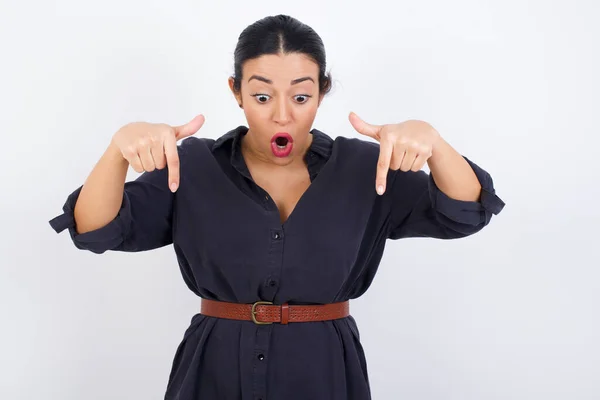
<point>285,190</point>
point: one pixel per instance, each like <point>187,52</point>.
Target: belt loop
<point>285,313</point>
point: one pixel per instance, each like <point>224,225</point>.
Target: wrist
<point>113,153</point>
<point>439,151</point>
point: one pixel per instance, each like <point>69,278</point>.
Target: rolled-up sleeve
<point>143,222</point>
<point>420,209</point>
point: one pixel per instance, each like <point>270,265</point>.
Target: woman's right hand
<point>147,146</point>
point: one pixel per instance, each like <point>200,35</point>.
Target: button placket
<point>259,382</point>
<point>263,333</point>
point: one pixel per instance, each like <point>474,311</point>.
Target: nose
<point>282,111</point>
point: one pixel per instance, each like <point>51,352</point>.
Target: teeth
<point>282,147</point>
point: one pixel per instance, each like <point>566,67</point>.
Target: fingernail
<point>380,189</point>
<point>173,187</point>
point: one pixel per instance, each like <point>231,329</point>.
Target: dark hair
<point>280,34</point>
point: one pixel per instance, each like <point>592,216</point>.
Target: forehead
<point>281,69</point>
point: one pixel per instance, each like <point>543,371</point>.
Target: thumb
<point>363,127</point>
<point>190,128</point>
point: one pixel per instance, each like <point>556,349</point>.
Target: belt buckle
<point>253,313</point>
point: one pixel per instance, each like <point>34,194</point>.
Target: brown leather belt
<point>265,312</point>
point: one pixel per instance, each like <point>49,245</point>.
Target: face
<point>280,97</point>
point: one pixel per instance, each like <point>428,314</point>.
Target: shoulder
<point>194,145</point>
<point>195,151</point>
<point>353,149</point>
<point>355,158</point>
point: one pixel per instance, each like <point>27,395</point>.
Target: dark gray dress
<point>231,246</point>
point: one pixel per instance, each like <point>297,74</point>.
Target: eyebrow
<point>270,82</point>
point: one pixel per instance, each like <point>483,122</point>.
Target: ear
<point>238,96</point>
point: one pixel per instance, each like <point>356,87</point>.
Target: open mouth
<point>282,144</point>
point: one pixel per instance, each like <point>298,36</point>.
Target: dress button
<point>261,357</point>
<point>276,235</point>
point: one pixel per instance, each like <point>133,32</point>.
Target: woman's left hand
<point>406,146</point>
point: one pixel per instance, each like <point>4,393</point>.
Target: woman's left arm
<point>455,200</point>
<point>452,174</point>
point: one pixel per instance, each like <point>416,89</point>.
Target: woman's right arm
<point>107,213</point>
<point>101,195</point>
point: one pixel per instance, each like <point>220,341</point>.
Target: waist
<point>265,312</point>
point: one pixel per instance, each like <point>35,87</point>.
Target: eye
<point>305,96</point>
<point>263,98</point>
<point>260,96</point>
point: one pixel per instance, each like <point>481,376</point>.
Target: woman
<point>276,226</point>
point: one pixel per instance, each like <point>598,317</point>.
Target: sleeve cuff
<point>468,212</point>
<point>108,236</point>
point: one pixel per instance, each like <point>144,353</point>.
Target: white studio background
<point>509,313</point>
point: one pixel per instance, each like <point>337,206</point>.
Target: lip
<point>284,135</point>
<point>282,153</point>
